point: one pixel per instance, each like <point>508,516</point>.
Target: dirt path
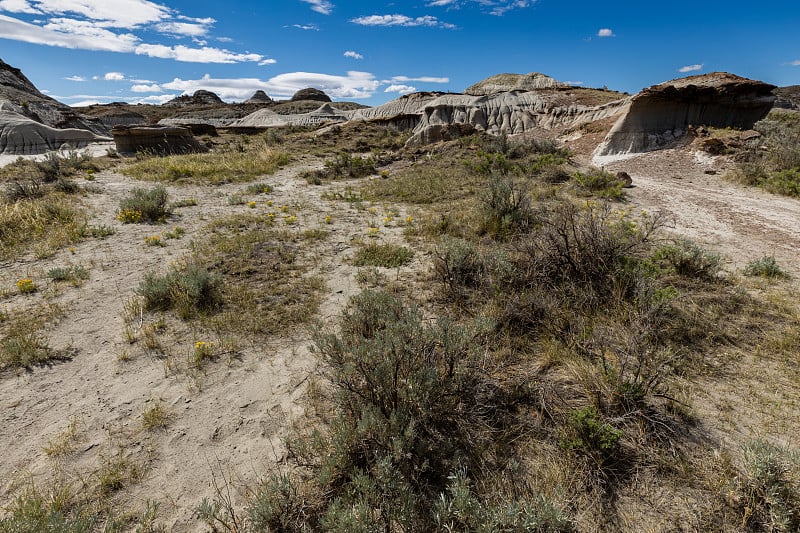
<point>229,426</point>
<point>742,223</point>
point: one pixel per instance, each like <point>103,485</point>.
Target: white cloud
<point>495,7</point>
<point>691,68</point>
<point>353,85</point>
<point>605,32</point>
<point>423,79</point>
<point>75,78</point>
<point>265,62</point>
<point>306,27</point>
<point>76,36</point>
<point>95,25</point>
<point>320,6</point>
<point>18,6</point>
<point>205,54</point>
<point>188,29</point>
<point>126,14</point>
<point>796,63</point>
<point>400,89</point>
<point>401,20</point>
<point>353,54</point>
<point>154,88</point>
<point>114,76</point>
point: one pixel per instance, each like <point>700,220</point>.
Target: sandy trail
<point>742,223</point>
<point>233,425</point>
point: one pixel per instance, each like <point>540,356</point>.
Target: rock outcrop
<point>265,118</point>
<point>33,123</point>
<point>311,94</point>
<point>260,97</point>
<point>160,140</point>
<point>199,98</point>
<point>503,83</point>
<point>662,114</point>
<point>787,97</point>
<point>19,135</point>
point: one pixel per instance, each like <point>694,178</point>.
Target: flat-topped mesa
<point>503,83</point>
<point>660,115</point>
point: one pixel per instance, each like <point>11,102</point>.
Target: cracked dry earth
<point>228,424</point>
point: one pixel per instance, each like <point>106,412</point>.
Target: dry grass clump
<point>25,343</point>
<point>214,168</point>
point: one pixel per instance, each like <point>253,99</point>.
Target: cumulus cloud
<point>18,6</point>
<point>691,68</point>
<point>268,61</point>
<point>143,88</point>
<point>75,78</point>
<point>205,54</point>
<point>402,20</point>
<point>126,14</point>
<point>199,28</point>
<point>114,76</point>
<point>353,85</point>
<point>103,25</point>
<point>353,54</point>
<point>320,6</point>
<point>605,32</point>
<point>400,89</point>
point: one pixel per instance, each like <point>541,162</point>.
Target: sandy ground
<point>231,426</point>
<point>742,223</point>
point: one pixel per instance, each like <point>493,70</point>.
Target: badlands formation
<point>505,104</point>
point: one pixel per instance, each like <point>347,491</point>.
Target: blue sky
<point>81,51</point>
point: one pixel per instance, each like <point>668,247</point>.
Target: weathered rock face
<point>20,135</point>
<point>260,97</point>
<point>787,97</point>
<point>265,118</point>
<point>160,140</point>
<point>502,83</point>
<point>662,114</point>
<point>438,133</point>
<point>20,96</point>
<point>199,98</point>
<point>311,94</point>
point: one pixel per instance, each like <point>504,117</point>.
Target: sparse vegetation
<point>218,167</point>
<point>383,255</point>
<point>772,161</point>
<point>766,267</point>
<point>144,205</point>
<point>75,275</point>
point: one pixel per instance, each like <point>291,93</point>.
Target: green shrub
<point>33,511</point>
<point>74,274</point>
<point>55,165</point>
<point>766,267</point>
<point>383,255</point>
<point>600,183</point>
<point>690,260</point>
<point>771,488</point>
<point>24,343</point>
<point>150,204</point>
<point>415,403</point>
<point>346,166</point>
<point>506,206</point>
<point>592,436</point>
<point>189,289</point>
